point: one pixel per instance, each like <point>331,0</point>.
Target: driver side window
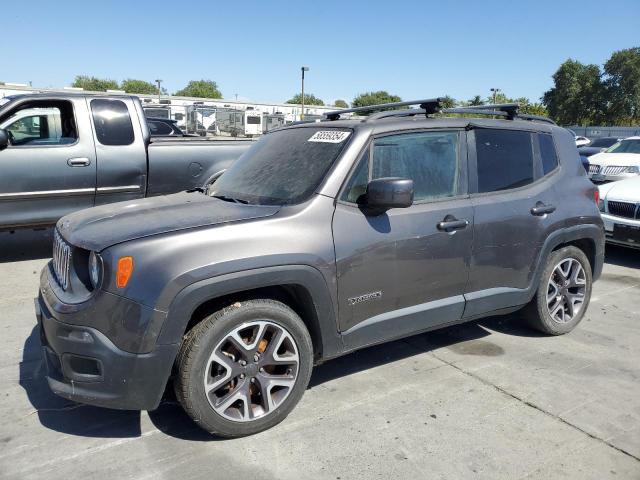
<point>41,124</point>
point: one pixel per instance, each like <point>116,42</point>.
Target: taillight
<point>124,271</point>
<point>596,195</point>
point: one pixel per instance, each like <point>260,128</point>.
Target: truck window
<point>253,120</point>
<point>41,124</point>
<point>112,121</point>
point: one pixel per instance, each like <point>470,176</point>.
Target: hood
<point>624,190</point>
<point>619,159</point>
<point>588,151</point>
<point>100,227</point>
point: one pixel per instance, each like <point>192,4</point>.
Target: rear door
<point>49,169</point>
<point>401,271</point>
<point>121,149</point>
<point>514,204</point>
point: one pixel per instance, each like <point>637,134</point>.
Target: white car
<point>619,206</point>
<point>582,141</point>
<point>620,161</point>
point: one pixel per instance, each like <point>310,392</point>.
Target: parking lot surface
<point>490,399</point>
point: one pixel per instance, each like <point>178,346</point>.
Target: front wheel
<point>563,293</point>
<point>244,368</point>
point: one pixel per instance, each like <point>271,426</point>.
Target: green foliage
<point>476,100</point>
<point>94,84</point>
<point>309,99</point>
<point>131,85</point>
<point>577,97</point>
<point>622,87</point>
<point>341,104</point>
<point>200,89</point>
<point>374,98</point>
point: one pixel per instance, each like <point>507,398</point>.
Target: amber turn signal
<point>124,271</point>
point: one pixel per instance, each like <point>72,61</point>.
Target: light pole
<point>495,93</point>
<point>158,81</point>
<point>303,69</point>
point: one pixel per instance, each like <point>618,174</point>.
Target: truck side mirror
<point>386,193</point>
<point>4,139</point>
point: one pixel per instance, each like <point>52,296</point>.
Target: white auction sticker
<point>329,136</point>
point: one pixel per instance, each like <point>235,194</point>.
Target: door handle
<point>542,209</point>
<point>450,224</point>
<point>79,162</point>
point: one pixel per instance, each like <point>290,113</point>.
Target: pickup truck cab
<point>60,153</point>
<point>321,239</point>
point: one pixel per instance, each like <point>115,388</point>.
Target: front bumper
<point>85,366</point>
<point>629,236</point>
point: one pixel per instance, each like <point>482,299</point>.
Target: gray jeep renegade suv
<point>323,238</point>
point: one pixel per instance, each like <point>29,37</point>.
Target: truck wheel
<point>242,369</point>
<point>563,293</point>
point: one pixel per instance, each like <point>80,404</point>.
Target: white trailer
<point>245,123</point>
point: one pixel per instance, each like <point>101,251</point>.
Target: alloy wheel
<point>566,290</point>
<point>251,371</point>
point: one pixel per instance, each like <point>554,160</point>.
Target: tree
<point>309,99</point>
<point>476,100</point>
<point>622,86</point>
<point>448,102</point>
<point>374,98</point>
<point>341,104</point>
<point>577,97</point>
<point>94,84</point>
<point>200,89</point>
<point>131,85</point>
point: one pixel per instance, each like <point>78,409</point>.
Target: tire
<point>267,389</point>
<point>554,316</point>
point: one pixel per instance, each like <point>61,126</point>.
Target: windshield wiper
<point>230,199</point>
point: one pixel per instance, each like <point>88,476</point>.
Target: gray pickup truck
<point>65,152</point>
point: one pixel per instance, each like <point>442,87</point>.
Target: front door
<point>405,270</point>
<point>49,169</point>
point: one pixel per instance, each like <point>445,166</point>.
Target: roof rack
<point>428,107</point>
<point>433,105</point>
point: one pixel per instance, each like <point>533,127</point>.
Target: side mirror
<point>4,139</point>
<point>386,193</point>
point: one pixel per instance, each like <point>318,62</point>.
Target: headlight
<point>95,269</point>
<point>634,169</point>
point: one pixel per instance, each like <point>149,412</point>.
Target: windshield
<point>626,146</point>
<point>283,167</point>
<point>603,142</point>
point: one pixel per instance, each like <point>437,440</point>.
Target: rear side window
<point>504,158</point>
<point>112,121</point>
<point>548,153</point>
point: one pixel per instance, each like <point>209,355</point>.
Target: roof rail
<point>509,109</point>
<point>428,107</point>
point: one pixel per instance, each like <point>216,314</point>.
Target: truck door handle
<point>79,162</point>
<point>450,224</point>
<point>542,209</point>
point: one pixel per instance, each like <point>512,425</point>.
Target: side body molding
<point>324,324</point>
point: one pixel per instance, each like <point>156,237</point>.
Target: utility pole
<point>495,93</point>
<point>158,81</point>
<point>303,69</point>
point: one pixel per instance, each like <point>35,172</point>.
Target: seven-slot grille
<point>61,260</point>
<point>623,209</point>
<point>594,169</point>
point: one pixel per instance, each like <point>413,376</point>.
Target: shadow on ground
<point>622,256</point>
<point>25,245</point>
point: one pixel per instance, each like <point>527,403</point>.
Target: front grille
<point>614,170</point>
<point>594,169</point>
<point>61,260</point>
<point>623,209</point>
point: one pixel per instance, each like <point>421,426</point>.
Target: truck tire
<point>242,369</point>
<point>563,292</point>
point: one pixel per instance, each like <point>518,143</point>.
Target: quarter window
<point>504,159</point>
<point>547,153</point>
<point>112,121</point>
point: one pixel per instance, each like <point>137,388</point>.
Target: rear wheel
<point>243,369</point>
<point>563,293</point>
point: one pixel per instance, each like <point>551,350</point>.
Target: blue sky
<point>414,49</point>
